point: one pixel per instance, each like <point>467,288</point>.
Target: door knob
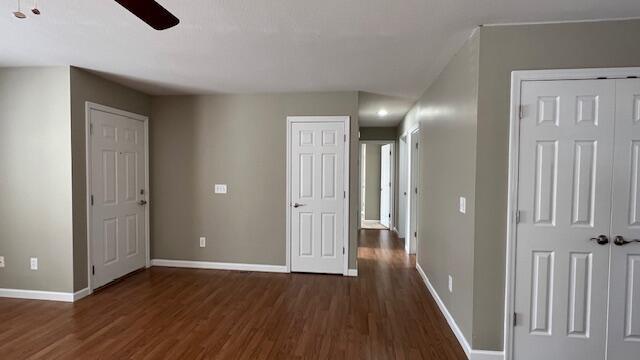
<point>601,240</point>
<point>296,205</point>
<point>620,241</point>
<point>142,202</point>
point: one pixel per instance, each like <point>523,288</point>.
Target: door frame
<point>89,166</point>
<point>517,77</point>
<point>346,120</point>
<point>410,153</point>
<point>392,168</point>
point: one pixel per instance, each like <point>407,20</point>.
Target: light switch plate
<point>203,241</point>
<point>34,263</point>
<point>220,189</point>
<point>463,205</point>
<point>450,283</point>
<point>1,261</point>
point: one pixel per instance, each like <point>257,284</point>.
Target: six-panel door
<point>564,195</point>
<point>624,307</point>
<point>317,196</point>
<point>118,178</point>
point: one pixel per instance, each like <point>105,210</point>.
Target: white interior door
<point>402,190</point>
<point>317,196</point>
<point>565,167</point>
<point>118,179</point>
<point>624,307</point>
<point>414,159</point>
<point>385,184</point>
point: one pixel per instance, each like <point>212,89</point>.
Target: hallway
<point>385,313</point>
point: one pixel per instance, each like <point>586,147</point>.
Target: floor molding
<point>81,294</point>
<point>471,353</point>
<point>352,272</point>
<point>218,265</point>
<point>37,295</point>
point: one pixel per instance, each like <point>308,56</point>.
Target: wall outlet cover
<point>203,241</point>
<point>450,284</point>
<point>34,263</point>
<point>220,188</point>
<point>1,261</point>
<point>463,205</point>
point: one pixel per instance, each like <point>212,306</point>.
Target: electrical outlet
<point>463,205</point>
<point>34,263</point>
<point>1,261</point>
<point>450,284</point>
<point>220,189</point>
<point>203,241</point>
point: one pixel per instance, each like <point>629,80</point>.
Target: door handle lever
<point>620,241</point>
<point>142,202</point>
<point>601,240</point>
<point>296,205</point>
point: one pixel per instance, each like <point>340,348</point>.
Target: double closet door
<point>577,290</point>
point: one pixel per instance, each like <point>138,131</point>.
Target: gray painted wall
<point>239,140</point>
<point>35,178</point>
<point>378,133</point>
<point>447,116</point>
<point>502,50</point>
<point>372,183</point>
<point>86,86</point>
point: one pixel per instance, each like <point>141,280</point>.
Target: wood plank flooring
<point>167,313</point>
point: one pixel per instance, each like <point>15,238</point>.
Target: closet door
<point>624,299</point>
<point>564,198</point>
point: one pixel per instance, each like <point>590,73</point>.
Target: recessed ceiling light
<point>383,112</point>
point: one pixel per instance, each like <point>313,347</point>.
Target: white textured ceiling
<point>241,46</point>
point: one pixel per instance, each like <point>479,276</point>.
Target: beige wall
<point>86,86</point>
<point>372,182</point>
<point>35,178</point>
<point>502,50</point>
<point>239,140</point>
<point>447,116</point>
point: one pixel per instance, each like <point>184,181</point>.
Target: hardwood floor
<point>385,313</point>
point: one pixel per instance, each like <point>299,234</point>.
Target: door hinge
<point>389,216</point>
<point>344,194</point>
<point>415,234</point>
<point>515,319</point>
<point>416,145</point>
<point>416,190</point>
<point>91,129</point>
<point>343,250</point>
<point>93,270</point>
<point>92,200</point>
<point>521,111</point>
<point>517,216</point>
<point>345,137</point>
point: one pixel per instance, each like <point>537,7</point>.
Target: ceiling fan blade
<point>150,12</point>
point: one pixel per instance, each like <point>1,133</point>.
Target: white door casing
<point>118,192</point>
<point>414,177</point>
<point>318,194</point>
<point>566,150</point>
<point>624,299</point>
<point>402,190</point>
<point>385,185</point>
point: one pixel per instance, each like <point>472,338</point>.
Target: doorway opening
<point>377,180</point>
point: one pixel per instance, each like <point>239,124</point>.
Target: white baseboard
<point>218,265</point>
<point>36,295</point>
<point>81,294</point>
<point>471,353</point>
<point>352,272</point>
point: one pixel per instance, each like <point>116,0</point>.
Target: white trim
<point>410,153</point>
<point>352,272</point>
<point>471,353</point>
<point>561,21</point>
<point>346,120</point>
<point>218,265</point>
<point>517,77</point>
<point>44,295</point>
<point>392,169</point>
<point>88,161</point>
